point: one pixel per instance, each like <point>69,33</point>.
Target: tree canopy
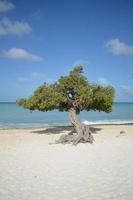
<point>69,89</point>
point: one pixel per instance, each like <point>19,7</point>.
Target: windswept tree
<point>72,93</point>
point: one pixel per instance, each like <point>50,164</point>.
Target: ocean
<point>14,116</point>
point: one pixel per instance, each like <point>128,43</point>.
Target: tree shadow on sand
<point>60,129</point>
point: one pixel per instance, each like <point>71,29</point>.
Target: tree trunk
<point>83,131</point>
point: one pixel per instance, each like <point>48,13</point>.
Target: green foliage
<point>55,96</point>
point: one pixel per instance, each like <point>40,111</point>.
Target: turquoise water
<point>13,116</point>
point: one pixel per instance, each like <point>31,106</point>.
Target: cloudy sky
<point>43,39</point>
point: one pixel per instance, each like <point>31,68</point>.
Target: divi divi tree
<point>72,93</point>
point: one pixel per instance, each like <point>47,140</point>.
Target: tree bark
<point>83,131</point>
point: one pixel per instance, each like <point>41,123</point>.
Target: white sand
<point>31,169</point>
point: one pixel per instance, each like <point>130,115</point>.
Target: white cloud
<point>37,15</point>
<point>35,76</point>
<point>81,62</point>
<point>18,28</point>
<point>127,89</point>
<point>102,81</point>
<point>119,48</point>
<point>5,6</point>
<point>32,77</point>
<point>21,54</point>
<point>22,79</point>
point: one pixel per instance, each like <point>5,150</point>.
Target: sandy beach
<point>33,169</point>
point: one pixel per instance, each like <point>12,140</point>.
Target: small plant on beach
<point>72,93</point>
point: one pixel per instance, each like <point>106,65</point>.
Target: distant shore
<point>32,168</point>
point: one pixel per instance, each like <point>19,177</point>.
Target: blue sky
<point>43,39</point>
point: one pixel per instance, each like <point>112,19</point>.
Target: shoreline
<point>65,126</point>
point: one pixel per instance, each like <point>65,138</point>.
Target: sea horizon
<point>14,116</point>
<point>113,102</point>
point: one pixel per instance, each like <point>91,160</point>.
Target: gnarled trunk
<point>83,133</point>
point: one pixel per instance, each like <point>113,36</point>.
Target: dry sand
<point>32,169</point>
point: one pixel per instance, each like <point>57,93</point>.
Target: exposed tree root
<point>83,132</point>
<point>65,139</point>
<point>75,139</point>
